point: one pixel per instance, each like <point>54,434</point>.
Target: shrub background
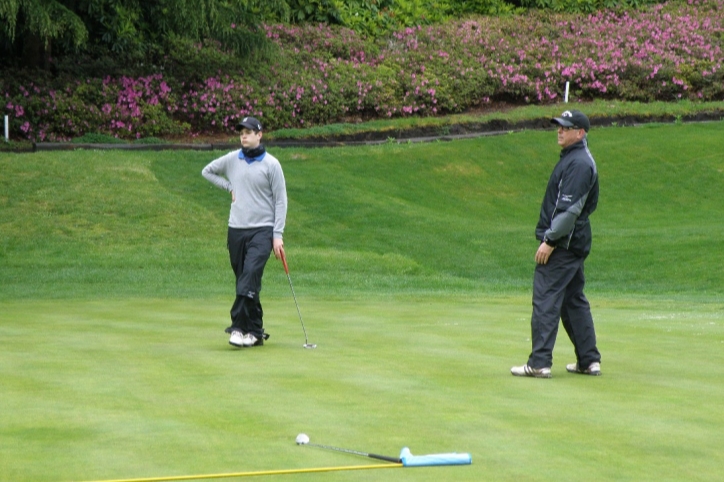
<point>320,74</point>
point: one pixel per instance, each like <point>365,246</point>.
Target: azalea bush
<point>123,107</point>
<point>317,75</point>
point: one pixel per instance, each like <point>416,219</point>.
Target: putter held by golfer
<point>286,270</point>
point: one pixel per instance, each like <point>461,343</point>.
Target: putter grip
<point>384,457</point>
<point>284,261</point>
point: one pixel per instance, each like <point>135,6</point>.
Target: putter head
<point>310,345</point>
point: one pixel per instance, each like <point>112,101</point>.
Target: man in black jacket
<point>564,232</point>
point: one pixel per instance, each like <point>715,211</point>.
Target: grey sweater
<point>259,189</point>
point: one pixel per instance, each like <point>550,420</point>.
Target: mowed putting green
<point>413,268</point>
<point>143,388</point>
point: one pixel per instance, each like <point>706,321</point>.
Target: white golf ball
<point>302,439</point>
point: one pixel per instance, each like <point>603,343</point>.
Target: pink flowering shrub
<point>318,74</point>
<point>124,107</point>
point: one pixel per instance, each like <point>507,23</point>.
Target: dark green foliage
<point>96,138</point>
<point>34,30</point>
<point>379,17</point>
<point>585,6</point>
<point>459,8</point>
<point>15,145</point>
<point>313,11</point>
<point>191,61</point>
<point>133,31</point>
<point>149,140</point>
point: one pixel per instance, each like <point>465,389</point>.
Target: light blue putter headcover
<point>409,460</point>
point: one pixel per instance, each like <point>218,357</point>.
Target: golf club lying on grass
<point>406,458</point>
<point>303,439</point>
<point>286,270</point>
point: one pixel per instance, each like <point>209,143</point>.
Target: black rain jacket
<point>570,198</point>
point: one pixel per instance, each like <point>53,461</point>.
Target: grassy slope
<point>409,218</point>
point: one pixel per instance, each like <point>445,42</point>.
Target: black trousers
<point>249,250</point>
<point>558,295</point>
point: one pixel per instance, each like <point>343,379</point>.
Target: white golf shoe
<point>251,340</point>
<point>526,371</point>
<point>593,369</point>
<point>236,339</point>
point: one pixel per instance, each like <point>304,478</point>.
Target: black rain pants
<point>249,250</point>
<point>558,295</point>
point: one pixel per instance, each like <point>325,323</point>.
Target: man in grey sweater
<point>256,224</point>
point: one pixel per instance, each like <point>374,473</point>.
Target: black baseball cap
<point>250,123</point>
<point>573,118</point>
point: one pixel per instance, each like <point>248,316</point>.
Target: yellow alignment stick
<point>263,472</point>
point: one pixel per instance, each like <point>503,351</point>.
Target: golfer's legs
<point>247,311</point>
<point>549,288</point>
<point>578,322</point>
<point>566,322</point>
<point>247,315</point>
<point>236,243</point>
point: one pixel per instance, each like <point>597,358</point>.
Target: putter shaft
<point>355,452</point>
<point>306,341</point>
<point>296,303</point>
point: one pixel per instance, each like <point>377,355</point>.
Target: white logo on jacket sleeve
<point>566,198</point>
